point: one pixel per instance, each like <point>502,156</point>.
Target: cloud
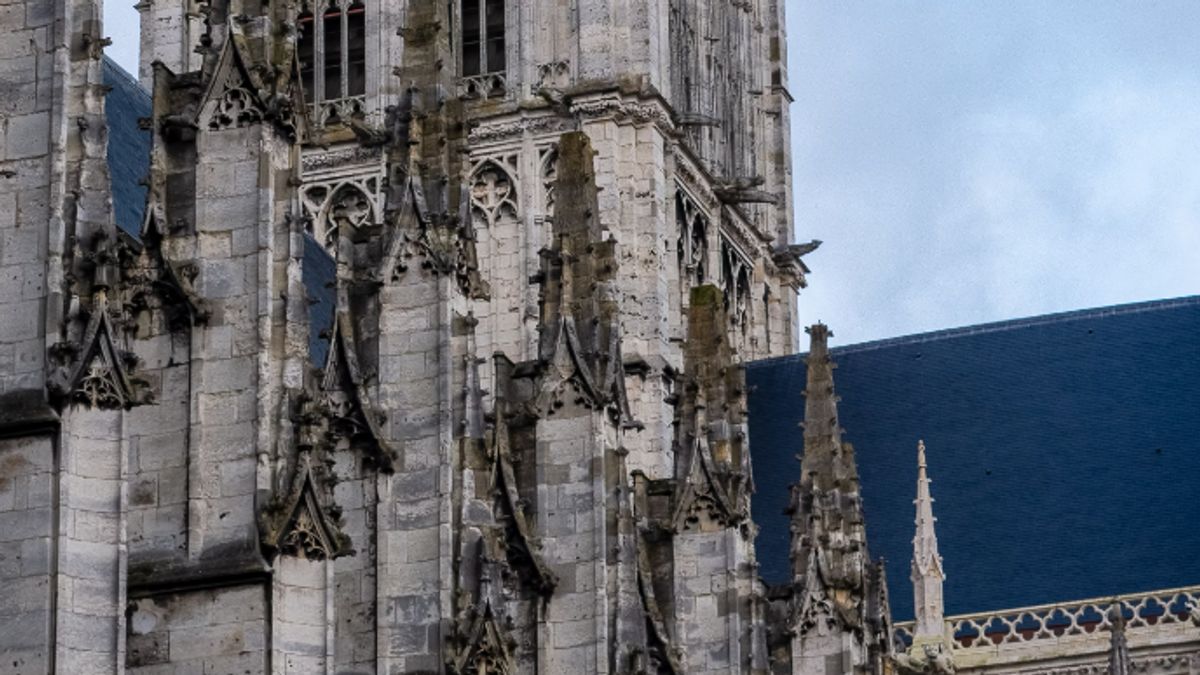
<point>1095,204</point>
<point>122,25</point>
<point>1022,177</point>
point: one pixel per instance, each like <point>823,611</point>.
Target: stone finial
<point>1119,662</point>
<point>927,572</point>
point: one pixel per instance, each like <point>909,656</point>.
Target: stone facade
<point>522,447</point>
<point>517,442</point>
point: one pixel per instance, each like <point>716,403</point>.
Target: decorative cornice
<point>625,109</point>
<point>354,157</point>
<point>506,129</point>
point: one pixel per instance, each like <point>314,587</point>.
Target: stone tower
<point>425,356</point>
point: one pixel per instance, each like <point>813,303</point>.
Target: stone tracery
<point>327,205</point>
<point>494,190</point>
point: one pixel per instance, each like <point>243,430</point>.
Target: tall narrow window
<point>331,47</point>
<point>482,36</point>
<point>356,50</point>
<point>306,48</point>
<point>332,24</point>
<point>494,27</point>
<point>472,37</point>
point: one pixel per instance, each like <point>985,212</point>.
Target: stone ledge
<point>228,565</point>
<point>26,411</point>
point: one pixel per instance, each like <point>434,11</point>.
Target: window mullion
<point>345,50</point>
<point>318,29</point>
<point>483,37</point>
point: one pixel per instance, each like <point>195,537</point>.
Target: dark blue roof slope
<point>128,146</point>
<point>319,276</point>
<point>1064,452</point>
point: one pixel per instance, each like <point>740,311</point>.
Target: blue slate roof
<point>129,164</point>
<point>128,146</point>
<point>1064,452</point>
<point>318,278</point>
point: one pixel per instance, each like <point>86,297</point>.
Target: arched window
<point>332,50</point>
<point>482,37</point>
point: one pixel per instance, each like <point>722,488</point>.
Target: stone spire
<point>827,463</point>
<point>829,548</point>
<point>927,573</point>
<point>1119,662</point>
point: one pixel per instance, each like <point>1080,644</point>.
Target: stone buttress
<point>70,381</point>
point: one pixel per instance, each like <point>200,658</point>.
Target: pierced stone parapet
<point>1055,626</point>
<point>338,110</point>
<point>486,85</point>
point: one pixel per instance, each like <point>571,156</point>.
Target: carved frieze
<point>638,112</point>
<point>507,129</point>
<point>348,157</point>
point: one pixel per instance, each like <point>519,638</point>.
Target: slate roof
<point>318,278</point>
<point>1064,452</point>
<point>128,146</point>
<point>129,164</point>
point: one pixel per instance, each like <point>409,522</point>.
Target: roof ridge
<point>125,75</point>
<point>1000,326</point>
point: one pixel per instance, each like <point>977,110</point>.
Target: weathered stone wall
<point>27,551</point>
<point>412,525</point>
<point>486,528</point>
<point>90,579</point>
<point>27,163</point>
<point>158,439</point>
<point>221,630</point>
<point>354,581</point>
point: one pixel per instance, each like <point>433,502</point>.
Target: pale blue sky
<point>975,161</point>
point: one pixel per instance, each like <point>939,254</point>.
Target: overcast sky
<point>976,161</point>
